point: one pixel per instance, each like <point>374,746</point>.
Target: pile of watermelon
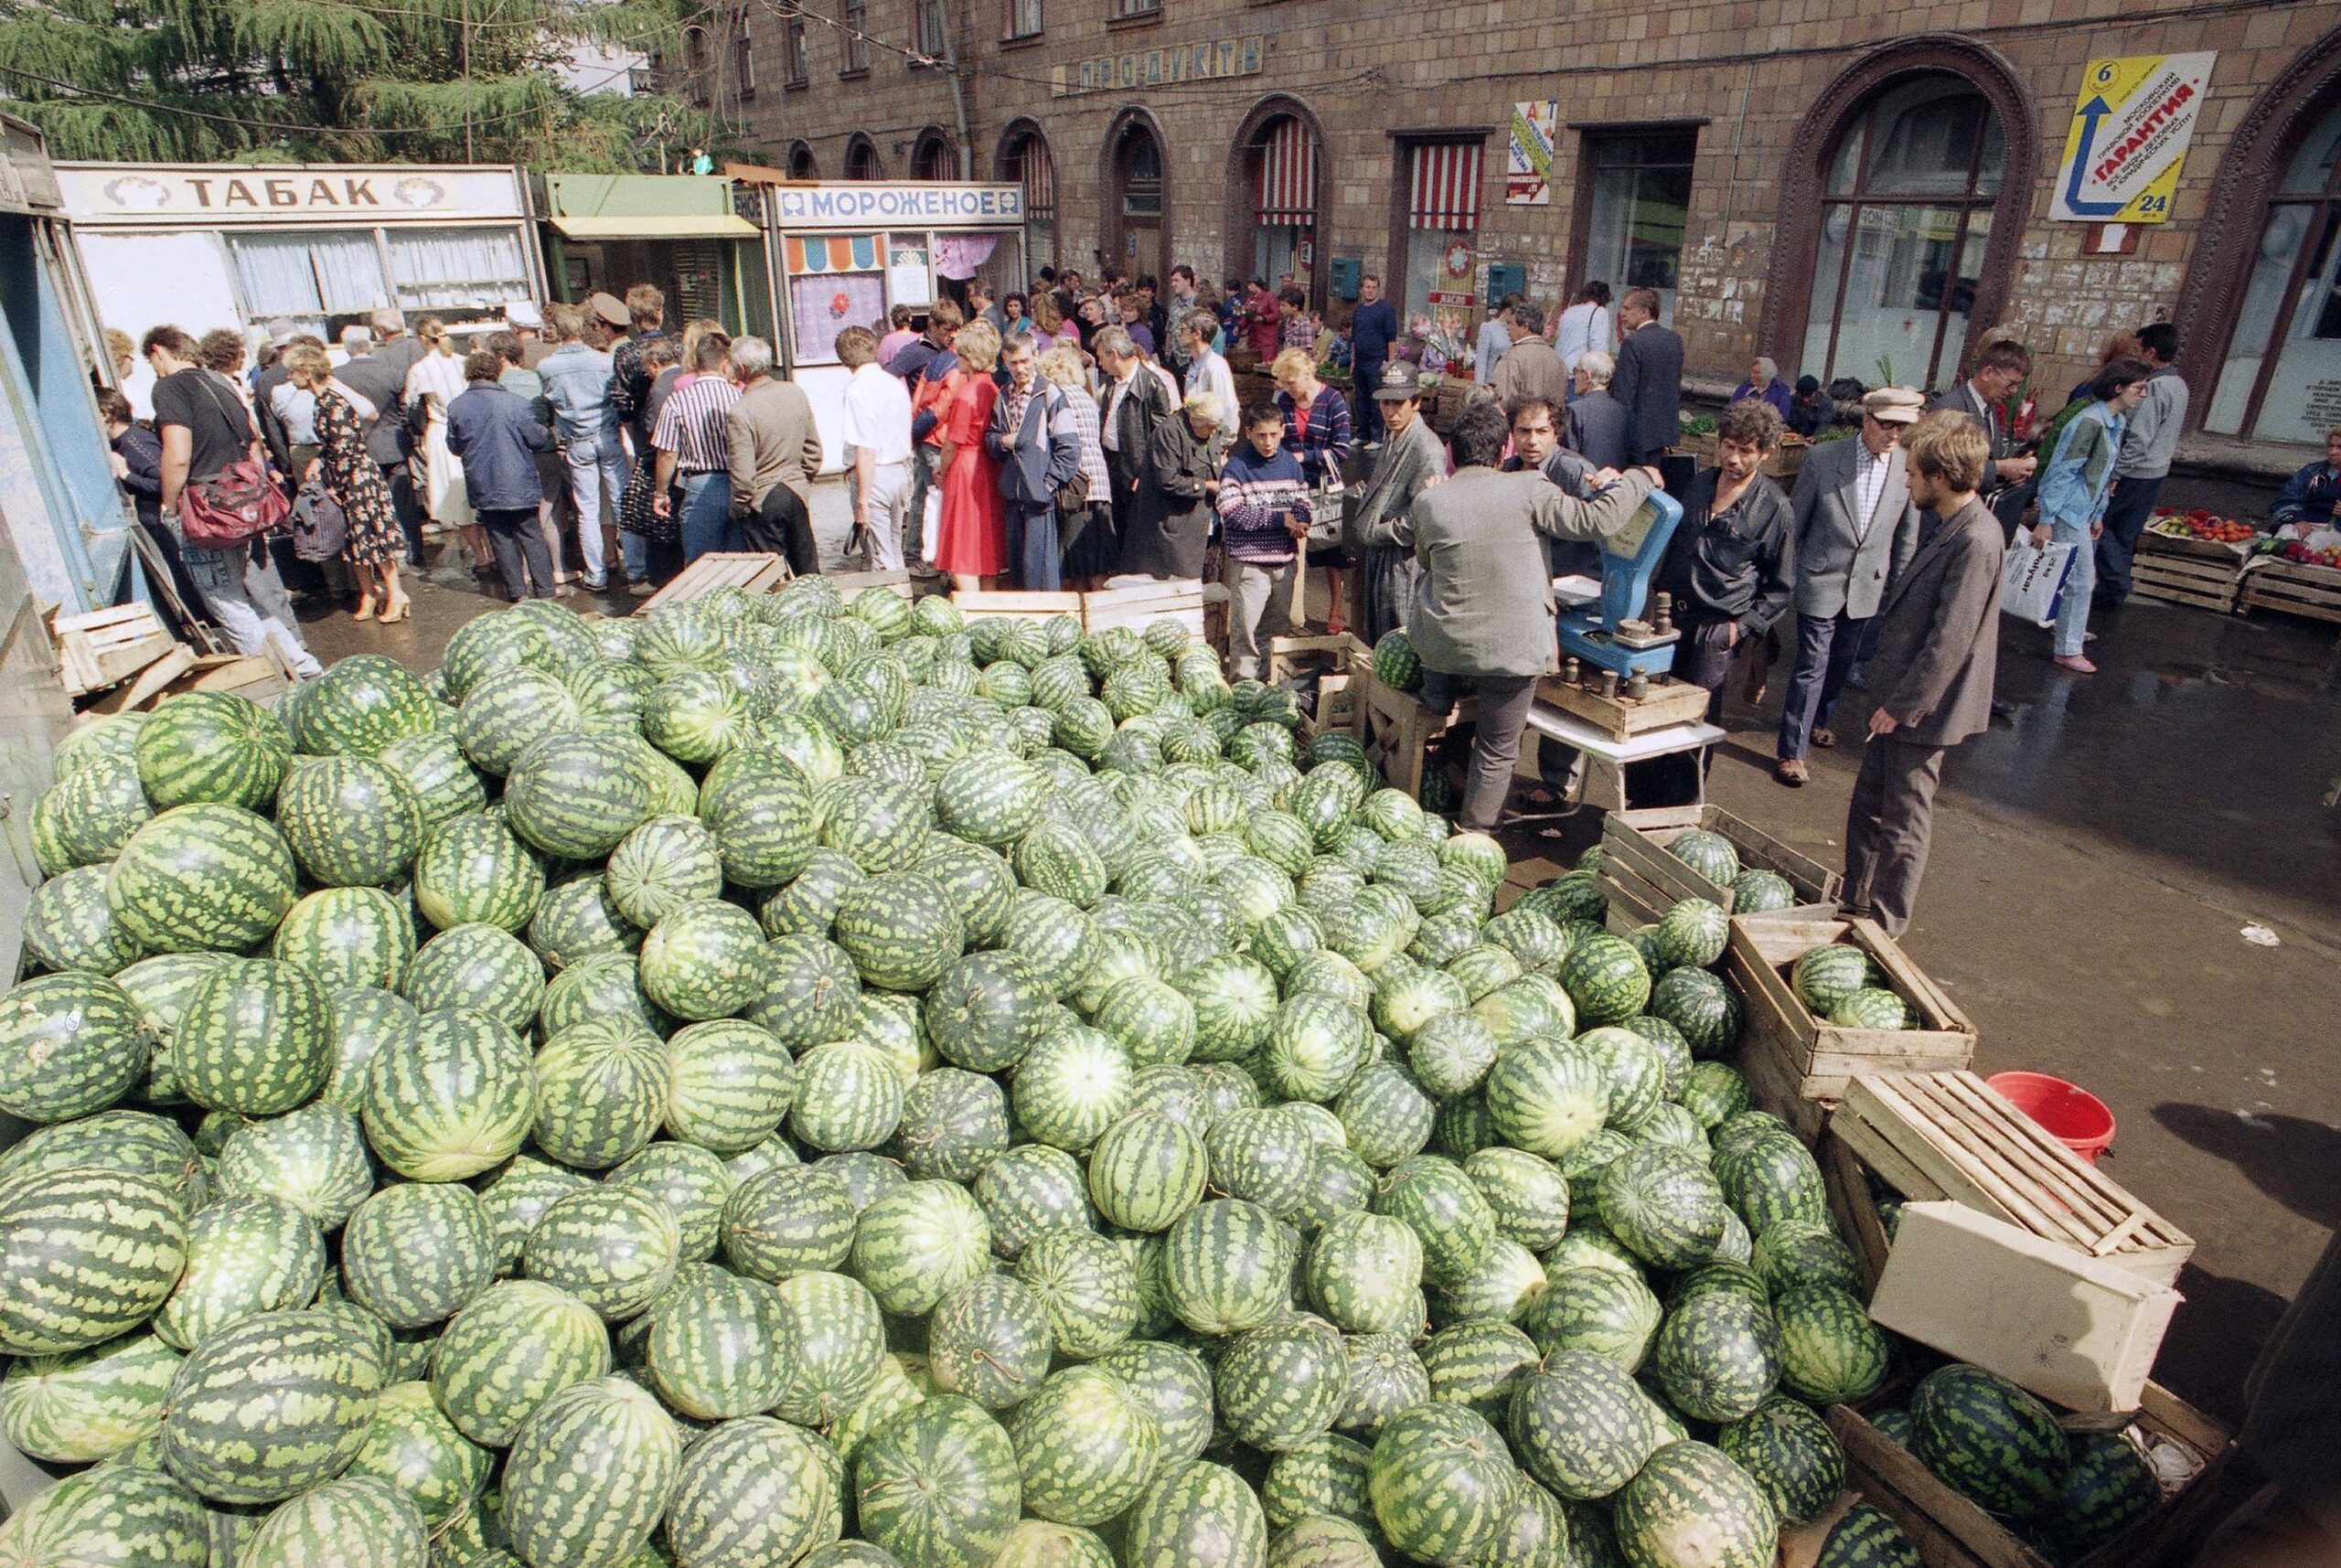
<point>794,1081</point>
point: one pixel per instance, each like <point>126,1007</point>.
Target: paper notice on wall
<point>2129,136</point>
<point>1528,165</point>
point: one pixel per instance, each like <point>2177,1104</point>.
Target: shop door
<point>1137,168</point>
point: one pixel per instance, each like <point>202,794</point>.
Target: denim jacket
<point>2079,475</point>
<point>577,384</point>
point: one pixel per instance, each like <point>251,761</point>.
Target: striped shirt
<point>1253,491</point>
<point>692,425</point>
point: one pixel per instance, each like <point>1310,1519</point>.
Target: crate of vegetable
<point>2193,559</point>
<point>797,1080</point>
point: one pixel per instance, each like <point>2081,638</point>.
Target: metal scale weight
<point>1609,633</point>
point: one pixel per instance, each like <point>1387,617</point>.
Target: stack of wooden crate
<point>2183,570</point>
<point>1642,880</point>
<point>2293,588</point>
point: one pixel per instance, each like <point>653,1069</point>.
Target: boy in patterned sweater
<point>1264,515</point>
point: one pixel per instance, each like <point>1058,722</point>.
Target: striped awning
<point>1445,192</point>
<point>1288,175</point>
<point>1036,171</point>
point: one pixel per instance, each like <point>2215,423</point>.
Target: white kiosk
<point>844,253</point>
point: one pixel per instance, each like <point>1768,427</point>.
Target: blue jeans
<point>597,472</point>
<point>247,601</point>
<point>2072,599</point>
<point>707,515</point>
<point>1826,649</point>
<point>1032,546</point>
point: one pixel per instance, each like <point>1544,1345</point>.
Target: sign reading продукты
<point>2129,136</point>
<point>1161,68</point>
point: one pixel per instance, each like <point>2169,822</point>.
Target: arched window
<point>801,164</point>
<point>932,158</point>
<point>862,159</point>
<point>1905,214</point>
<point>1137,206</point>
<point>1025,160</point>
<point>2285,352</point>
<point>1275,210</point>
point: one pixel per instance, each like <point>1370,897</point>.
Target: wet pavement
<point>2096,864</point>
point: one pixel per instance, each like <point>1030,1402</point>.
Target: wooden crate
<point>849,584</point>
<point>1797,1065</point>
<point>1950,1532</point>
<point>1643,880</point>
<point>1140,605</point>
<point>1325,661</point>
<point>2187,570</point>
<point>982,605</point>
<point>1854,1205</point>
<point>105,647</point>
<point>1948,1135</point>
<point>1396,731</point>
<point>749,571</point>
<point>1670,702</point>
<point>2293,588</point>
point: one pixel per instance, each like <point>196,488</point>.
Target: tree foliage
<point>348,81</point>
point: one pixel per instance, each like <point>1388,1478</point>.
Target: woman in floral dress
<point>355,481</point>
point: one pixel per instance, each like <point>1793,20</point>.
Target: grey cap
<point>523,312</point>
<point>388,323</point>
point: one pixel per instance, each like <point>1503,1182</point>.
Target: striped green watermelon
<point>1396,663</point>
<point>314,1157</point>
<point>1711,855</point>
<point>70,925</point>
<point>954,1124</point>
<point>1989,1439</point>
<point>116,1514</point>
<point>1791,1453</point>
<point>1226,1268</point>
<point>759,806</point>
<point>1768,1176</point>
<point>1146,1172</point>
<point>1713,1091</point>
<point>937,1486</point>
<point>600,986</point>
<point>206,876</point>
<point>1606,979</point>
<point>211,746</point>
<point>269,1407</point>
<point>450,1099</point>
<point>1867,1537</point>
<point>576,795</point>
<point>136,1141</point>
<point>989,799</point>
<point>501,719</point>
<point>351,822</point>
<point>601,1093</point>
<point>1479,1363</point>
<point>1758,891</point>
<point>87,1405</point>
<point>787,1221</point>
<point>416,1252</point>
<point>1581,1424</point>
<point>518,1343</point>
<point>1057,859</point>
<point>849,1096</point>
<point>348,936</point>
<point>361,705</point>
<point>254,1037</point>
<point>1692,1507</point>
<point>516,1196</point>
<point>590,1473</point>
<point>719,1346</point>
<point>754,1491</point>
<point>1326,1475</point>
<point>1031,1189</point>
<point>1365,1270</point>
<point>443,779</point>
<point>1196,1516</point>
<point>1089,1284</point>
<point>1386,1377</point>
<point>1547,1096</point>
<point>482,967</point>
<point>729,1084</point>
<point>1693,933</point>
<point>356,1521</point>
<point>838,1339</point>
<point>493,647</point>
<point>1608,1312</point>
<point>614,1248</point>
<point>86,816</point>
<point>900,929</point>
<point>415,1449</point>
<point>2108,1488</point>
<point>1086,1446</point>
<point>661,864</point>
<point>989,1339</point>
<point>1716,1357</point>
<point>70,1044</point>
<point>1440,1481</point>
<point>915,1244</point>
<point>1873,1007</point>
<point>1664,1204</point>
<point>1284,1385</point>
<point>1070,1087</point>
<point>244,1255</point>
<point>1829,974</point>
<point>472,870</point>
<point>1831,1353</point>
<point>704,960</point>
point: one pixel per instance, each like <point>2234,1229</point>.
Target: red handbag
<point>236,505</point>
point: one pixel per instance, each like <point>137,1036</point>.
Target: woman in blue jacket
<point>2073,489</point>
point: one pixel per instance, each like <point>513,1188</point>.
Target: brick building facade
<point>1847,189</point>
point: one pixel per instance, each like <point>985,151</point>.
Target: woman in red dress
<point>972,544</point>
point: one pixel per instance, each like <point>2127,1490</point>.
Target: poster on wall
<point>1451,285</point>
<point>821,306</point>
<point>2128,140</point>
<point>1528,165</point>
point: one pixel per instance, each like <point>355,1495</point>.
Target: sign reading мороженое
<point>868,206</point>
<point>1161,68</point>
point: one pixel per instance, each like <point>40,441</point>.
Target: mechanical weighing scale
<point>1607,630</point>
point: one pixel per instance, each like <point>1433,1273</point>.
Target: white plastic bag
<point>931,531</point>
<point>2030,577</point>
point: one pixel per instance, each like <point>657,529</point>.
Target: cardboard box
<point>2078,1331</point>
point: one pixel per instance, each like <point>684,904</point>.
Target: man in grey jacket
<point>1410,459</point>
<point>1483,615</point>
<point>1938,650</point>
<point>1854,530</point>
<point>2148,443</point>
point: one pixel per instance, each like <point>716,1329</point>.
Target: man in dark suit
<point>2000,369</point>
<point>1855,532</point>
<point>1600,430</point>
<point>1038,443</point>
<point>1374,328</point>
<point>1650,376</point>
<point>1132,403</point>
<point>1938,650</point>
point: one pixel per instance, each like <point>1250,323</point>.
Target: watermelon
<point>1692,1507</point>
<point>1830,1351</point>
<point>244,1255</point>
<point>450,1098</point>
<point>472,870</point>
<point>901,930</point>
<point>660,865</point>
<point>1086,1445</point>
<point>1284,1385</point>
<point>590,1475</point>
<point>850,1096</point>
<point>1581,1424</point>
<point>717,1345</point>
<point>755,1490</point>
<point>70,925</point>
<point>1326,1475</point>
<point>516,1344</point>
<point>1146,1172</point>
<point>444,782</point>
<point>269,1407</point>
<point>1873,1007</point>
<point>938,1485</point>
<point>614,1248</point>
<point>1711,855</point>
<point>1989,1439</point>
<point>2108,1487</point>
<point>1714,1357</point>
<point>1829,974</point>
<point>1440,1481</point>
<point>1606,979</point>
<point>481,967</point>
<point>87,1405</point>
<point>1196,1516</point>
<point>350,822</point>
<point>314,1157</point>
<point>703,960</point>
<point>1791,1453</point>
<point>1608,1312</point>
<point>362,705</point>
<point>116,1514</point>
<point>1664,1204</point>
<point>759,806</point>
<point>1395,663</point>
<point>1479,1363</point>
<point>358,1522</point>
<point>1693,933</point>
<point>87,816</point>
<point>254,1037</point>
<point>517,1197</point>
<point>214,747</point>
<point>729,1084</point>
<point>202,877</point>
<point>348,936</point>
<point>1867,1537</point>
<point>914,1245</point>
<point>1758,891</point>
<point>1547,1096</point>
<point>576,796</point>
<point>991,1339</point>
<point>415,1449</point>
<point>70,1044</point>
<point>1714,1092</point>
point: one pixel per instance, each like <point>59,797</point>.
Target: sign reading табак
<point>2129,137</point>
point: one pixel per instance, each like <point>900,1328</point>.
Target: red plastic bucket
<point>2073,1116</point>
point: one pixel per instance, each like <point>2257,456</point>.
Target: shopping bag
<point>930,534</point>
<point>2030,577</point>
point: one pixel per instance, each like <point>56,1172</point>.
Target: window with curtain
<point>1639,202</point>
<point>1141,174</point>
<point>1906,215</point>
<point>854,17</point>
<point>2283,364</point>
<point>458,269</point>
<point>309,276</point>
<point>1021,19</point>
<point>797,58</point>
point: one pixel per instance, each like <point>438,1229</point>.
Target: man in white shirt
<point>878,451</point>
<point>1207,371</point>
